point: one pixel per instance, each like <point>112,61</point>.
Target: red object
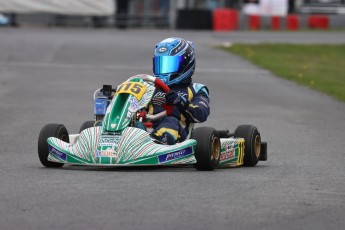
<point>318,22</point>
<point>225,20</point>
<point>292,22</point>
<point>148,124</point>
<point>254,22</point>
<point>168,108</point>
<point>161,85</point>
<point>142,114</point>
<point>275,23</point>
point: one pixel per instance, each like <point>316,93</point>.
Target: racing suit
<point>174,128</point>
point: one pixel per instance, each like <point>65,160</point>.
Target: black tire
<point>252,144</point>
<point>207,151</point>
<point>224,133</point>
<point>50,130</point>
<point>86,125</point>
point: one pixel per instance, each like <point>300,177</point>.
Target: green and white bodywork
<point>121,139</point>
<point>115,142</point>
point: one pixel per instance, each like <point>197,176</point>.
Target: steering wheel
<point>161,85</point>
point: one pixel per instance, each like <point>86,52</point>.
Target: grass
<point>320,67</point>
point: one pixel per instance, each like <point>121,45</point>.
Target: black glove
<point>177,99</point>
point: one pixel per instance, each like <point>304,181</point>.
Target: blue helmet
<point>174,61</point>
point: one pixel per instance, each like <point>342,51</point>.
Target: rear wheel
<point>207,152</point>
<point>252,144</point>
<point>50,130</point>
<point>86,125</point>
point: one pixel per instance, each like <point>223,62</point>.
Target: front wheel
<point>86,125</point>
<point>207,151</point>
<point>50,130</point>
<point>252,143</point>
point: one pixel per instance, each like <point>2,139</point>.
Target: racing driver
<point>174,64</point>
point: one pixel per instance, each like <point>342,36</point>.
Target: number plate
<point>137,89</point>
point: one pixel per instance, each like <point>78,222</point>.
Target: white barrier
<point>267,8</point>
<point>66,7</point>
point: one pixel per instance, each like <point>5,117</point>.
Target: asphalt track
<point>49,75</point>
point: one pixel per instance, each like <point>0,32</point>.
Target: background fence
<point>181,14</point>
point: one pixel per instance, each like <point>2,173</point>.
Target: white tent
<point>67,7</point>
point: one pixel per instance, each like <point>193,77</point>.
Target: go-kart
<point>120,135</point>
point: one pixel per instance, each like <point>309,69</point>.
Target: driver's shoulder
<point>198,88</point>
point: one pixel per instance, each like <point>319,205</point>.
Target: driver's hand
<point>142,115</point>
<point>177,99</point>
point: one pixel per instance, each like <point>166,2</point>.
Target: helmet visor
<point>167,64</point>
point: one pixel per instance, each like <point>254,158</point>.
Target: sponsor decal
<point>164,80</point>
<point>162,49</point>
<point>106,153</point>
<point>175,155</point>
<point>109,141</point>
<point>134,105</point>
<point>180,95</point>
<point>57,153</point>
<point>229,153</point>
<point>112,133</point>
<point>144,97</point>
<point>100,106</point>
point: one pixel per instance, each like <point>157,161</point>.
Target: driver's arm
<point>198,108</point>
